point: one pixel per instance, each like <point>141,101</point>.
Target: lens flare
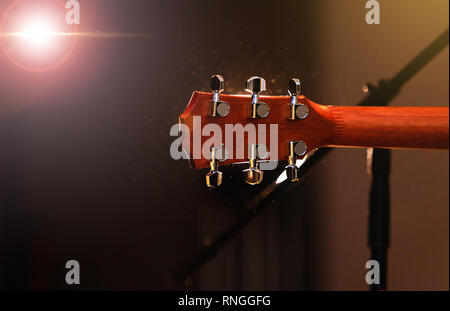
<point>37,34</point>
<point>30,34</point>
<point>34,34</point>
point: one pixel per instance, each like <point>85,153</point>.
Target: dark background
<point>85,170</point>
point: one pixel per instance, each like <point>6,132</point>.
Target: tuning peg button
<point>292,172</point>
<point>296,149</point>
<point>257,85</point>
<point>218,108</point>
<point>217,83</point>
<point>296,110</point>
<point>214,177</point>
<point>253,175</point>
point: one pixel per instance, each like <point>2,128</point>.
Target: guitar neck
<point>390,127</point>
<point>320,126</point>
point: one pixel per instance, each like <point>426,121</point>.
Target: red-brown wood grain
<point>343,126</point>
<point>391,127</point>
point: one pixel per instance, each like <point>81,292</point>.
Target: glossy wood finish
<point>391,127</point>
<point>343,126</point>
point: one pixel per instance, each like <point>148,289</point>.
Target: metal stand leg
<point>379,166</point>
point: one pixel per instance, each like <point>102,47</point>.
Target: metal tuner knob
<point>256,85</point>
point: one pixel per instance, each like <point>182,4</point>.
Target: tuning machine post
<point>296,110</point>
<point>256,85</point>
<point>253,175</point>
<point>296,149</point>
<point>219,109</point>
<point>214,177</point>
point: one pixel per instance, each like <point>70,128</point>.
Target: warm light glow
<point>37,34</point>
<point>34,34</point>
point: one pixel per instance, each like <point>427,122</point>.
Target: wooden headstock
<point>237,128</point>
<point>314,130</point>
<point>288,127</point>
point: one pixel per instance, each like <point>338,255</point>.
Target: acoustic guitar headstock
<point>257,129</point>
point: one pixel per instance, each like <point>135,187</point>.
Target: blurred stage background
<point>85,170</point>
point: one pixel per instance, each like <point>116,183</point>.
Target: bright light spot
<point>283,176</point>
<point>37,34</point>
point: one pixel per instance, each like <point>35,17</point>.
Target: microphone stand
<point>379,160</point>
<point>379,167</point>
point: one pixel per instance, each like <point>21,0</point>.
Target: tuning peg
<point>296,149</point>
<point>214,177</point>
<point>296,110</point>
<point>257,85</point>
<point>253,175</point>
<point>218,108</point>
